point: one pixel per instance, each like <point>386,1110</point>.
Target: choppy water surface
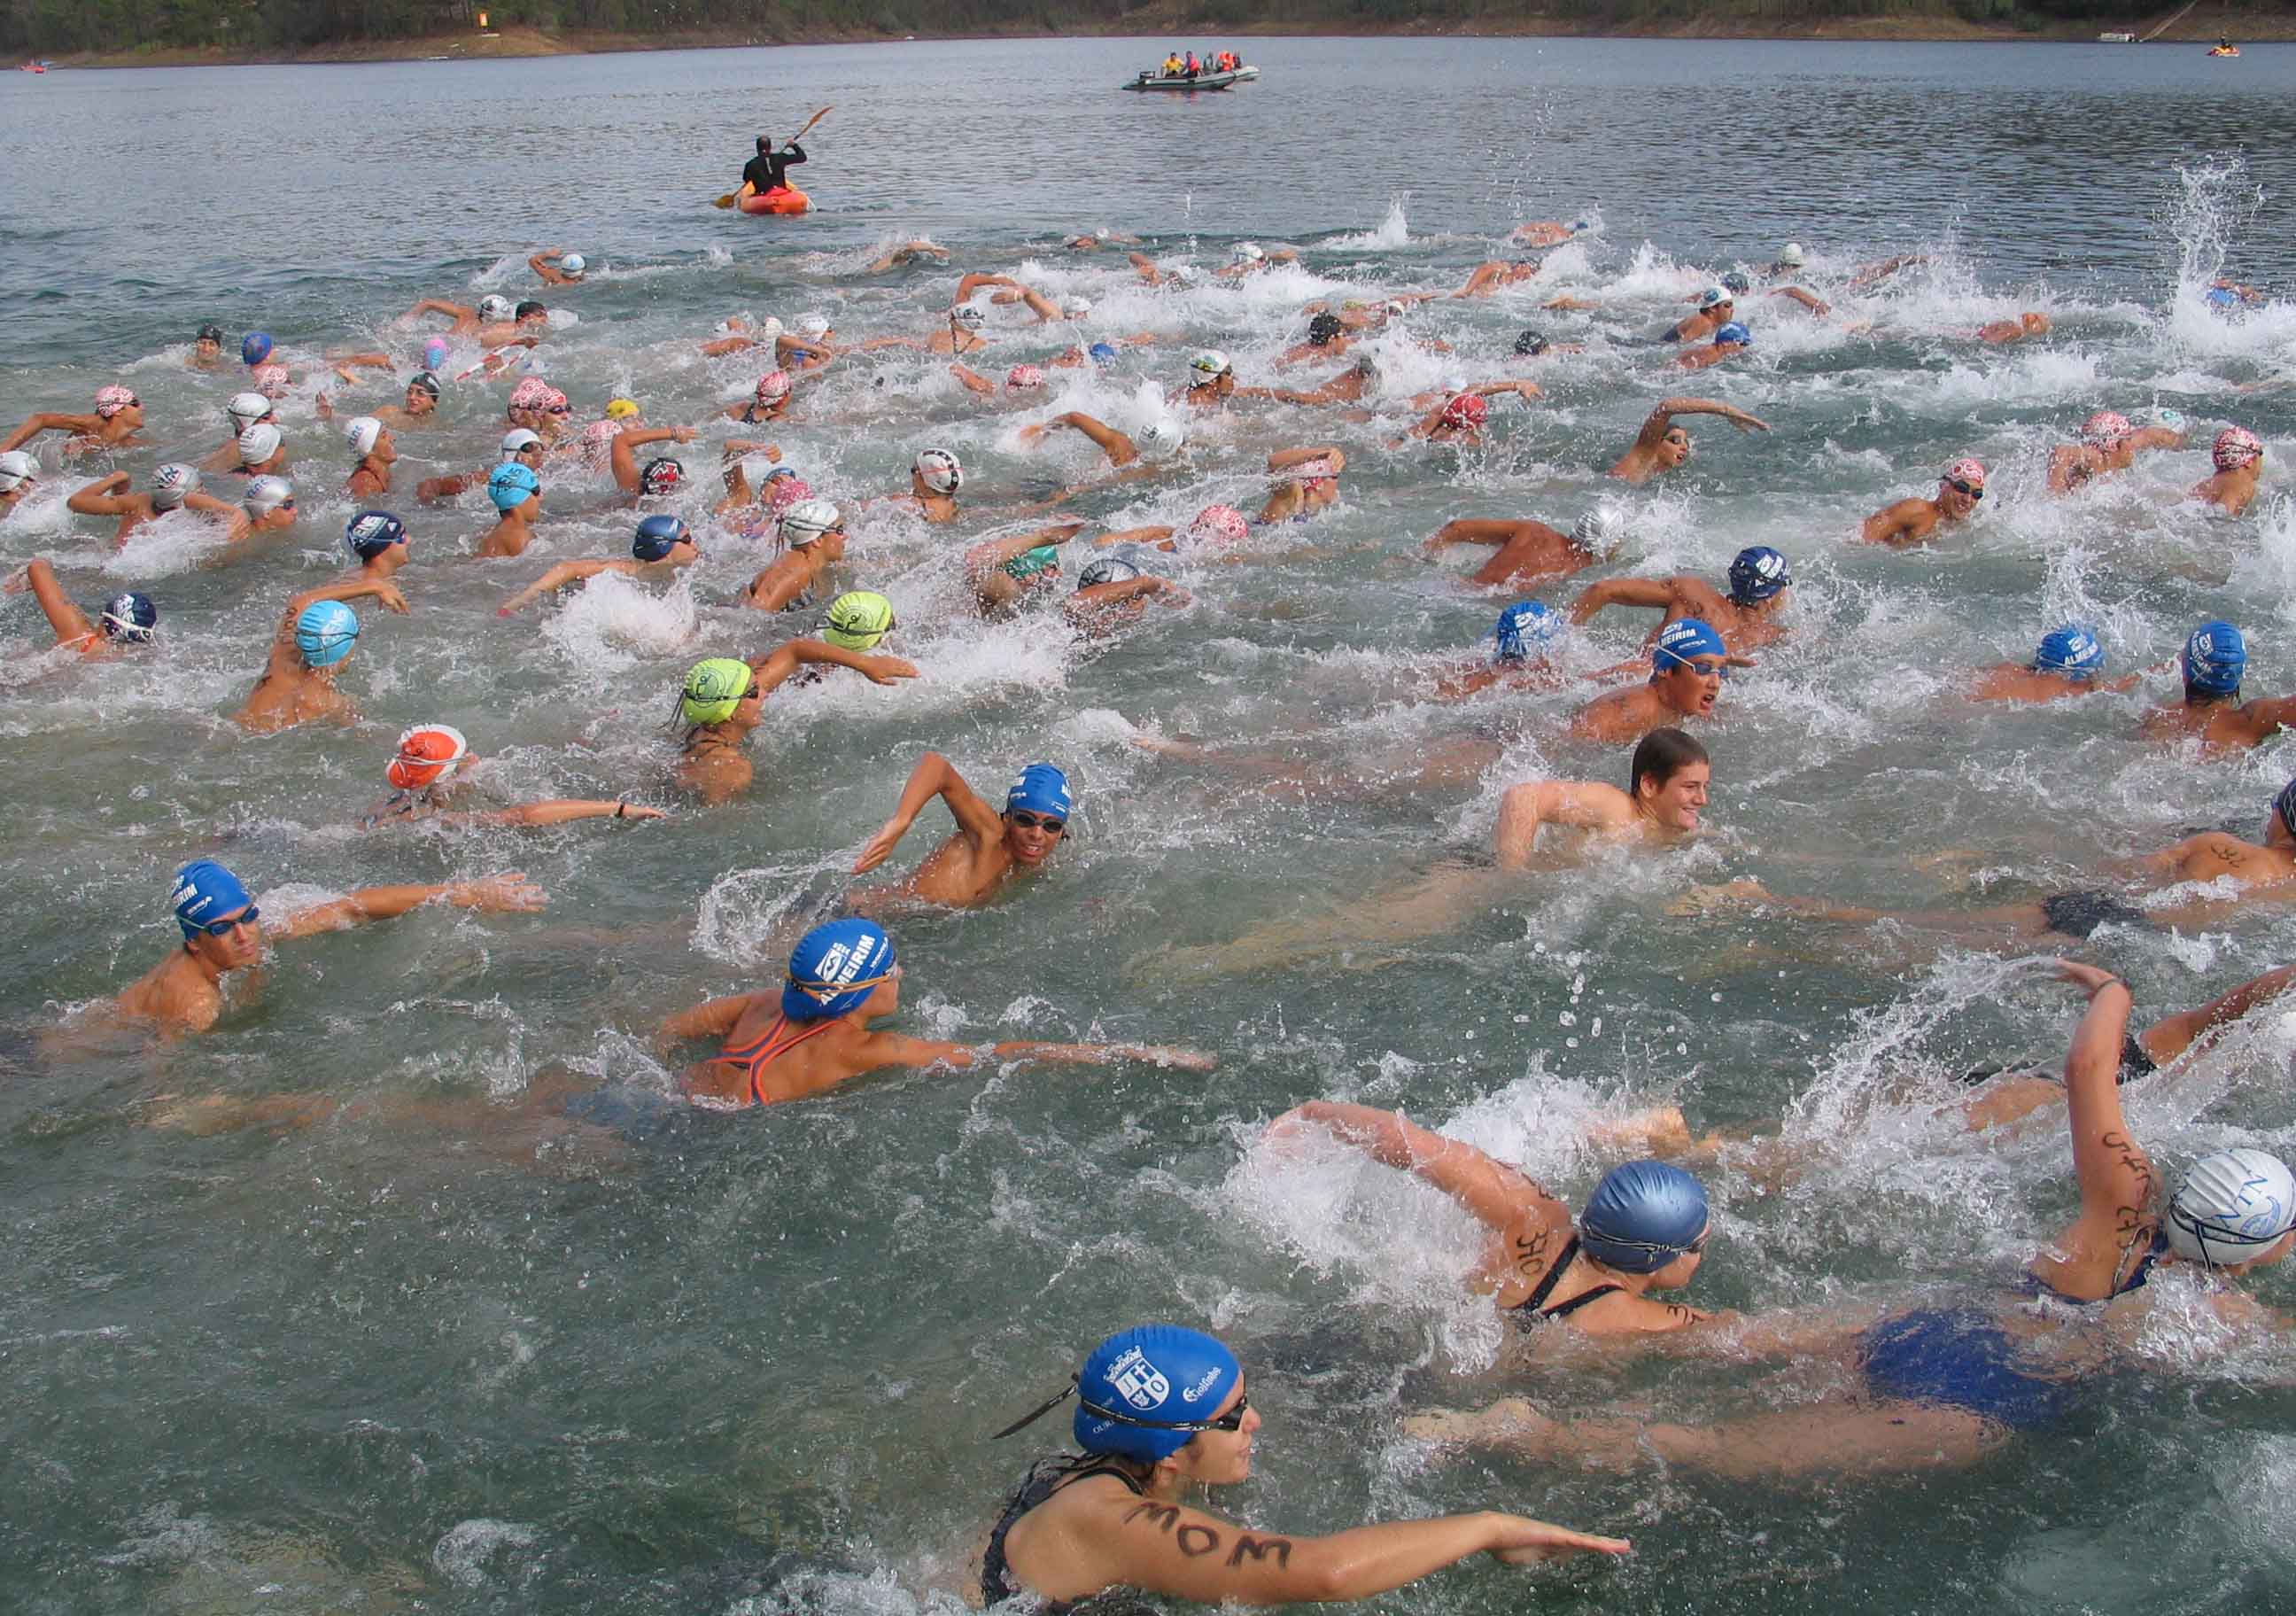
<point>447,1351</point>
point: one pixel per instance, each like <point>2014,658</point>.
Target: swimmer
<point>1519,659</point>
<point>377,453</point>
<point>1093,241</point>
<point>1307,481</point>
<point>782,488</point>
<point>768,401</point>
<point>1536,345</point>
<point>260,451</point>
<point>521,445</point>
<point>1326,340</point>
<point>19,477</point>
<point>1761,587</point>
<point>118,415</point>
<point>1729,341</point>
<point>224,931</point>
<point>207,348</point>
<point>539,407</point>
<point>316,637</point>
<point>988,848</point>
<point>1914,521</point>
<point>2069,662</point>
<point>127,620</point>
<point>1717,307</point>
<point>1212,381</point>
<point>1002,571</point>
<point>1459,418</point>
<point>2014,331</point>
<point>722,701</point>
<point>1689,661</point>
<point>1665,795</point>
<point>2239,457</point>
<point>813,532</point>
<point>810,348</point>
<point>661,547</point>
<point>1663,447</point>
<point>1249,258</point>
<point>631,477</point>
<point>1113,591</point>
<point>419,407</point>
<point>1530,551</point>
<point>934,478</point>
<point>1120,447</point>
<point>2214,663</point>
<point>558,267</point>
<point>269,505</point>
<point>434,763</point>
<point>907,252</point>
<point>378,543</point>
<point>1117,1516</point>
<point>1020,382</point>
<point>737,335</point>
<point>2108,442</point>
<point>1213,528</point>
<point>813,1032</point>
<point>495,322</point>
<point>515,492</point>
<point>169,488</point>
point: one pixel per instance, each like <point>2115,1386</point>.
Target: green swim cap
<point>714,689</point>
<point>857,619</point>
<point>1030,562</point>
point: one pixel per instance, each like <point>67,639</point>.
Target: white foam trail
<point>1391,231</point>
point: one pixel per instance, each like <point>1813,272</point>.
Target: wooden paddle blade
<point>725,200</point>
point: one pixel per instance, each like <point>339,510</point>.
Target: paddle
<point>727,200</point>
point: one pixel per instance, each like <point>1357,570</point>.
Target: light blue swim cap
<point>1102,353</point>
<point>2215,659</point>
<point>1641,1216</point>
<point>1736,332</point>
<point>1041,789</point>
<point>1522,625</point>
<point>325,633</point>
<point>2222,297</point>
<point>1758,572</point>
<point>205,892</point>
<point>256,348</point>
<point>1682,639</point>
<point>834,968</point>
<point>511,485</point>
<point>1142,1391</point>
<point>2071,651</point>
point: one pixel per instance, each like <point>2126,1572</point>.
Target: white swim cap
<point>495,307</point>
<point>258,443</point>
<point>1211,365</point>
<point>2232,1205</point>
<point>1789,255</point>
<point>171,484</point>
<point>1076,309</point>
<point>813,327</point>
<point>1246,252</point>
<point>517,438</point>
<point>574,263</point>
<point>16,469</point>
<point>1598,533</point>
<point>770,328</point>
<point>363,433</point>
<point>939,469</point>
<point>266,494</point>
<point>967,315</point>
<point>807,520</point>
<point>1161,438</point>
<point>247,408</point>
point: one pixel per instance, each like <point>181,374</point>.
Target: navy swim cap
<point>1530,342</point>
<point>205,892</point>
<point>130,617</point>
<point>1041,789</point>
<point>256,348</point>
<point>1736,281</point>
<point>2284,805</point>
<point>835,967</point>
<point>657,537</point>
<point>1144,1392</point>
<point>1522,625</point>
<point>2215,659</point>
<point>1759,573</point>
<point>371,532</point>
<point>2071,651</point>
<point>1641,1216</point>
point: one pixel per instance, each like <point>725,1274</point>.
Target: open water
<point>448,1350</point>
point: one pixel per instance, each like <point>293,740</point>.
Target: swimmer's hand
<point>885,670</point>
<point>881,845</point>
<point>18,581</point>
<point>1535,1542</point>
<point>1164,1054</point>
<point>392,599</point>
<point>639,810</point>
<point>507,894</point>
<point>685,434</point>
<point>2092,978</point>
<point>1738,661</point>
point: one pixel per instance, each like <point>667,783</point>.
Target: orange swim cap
<point>427,753</point>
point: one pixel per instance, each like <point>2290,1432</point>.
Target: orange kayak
<point>780,199</point>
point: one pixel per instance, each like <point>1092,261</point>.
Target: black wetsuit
<point>764,171</point>
<point>1528,1307</point>
<point>1046,1477</point>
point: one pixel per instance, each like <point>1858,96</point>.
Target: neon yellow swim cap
<point>621,409</point>
<point>714,688</point>
<point>857,619</point>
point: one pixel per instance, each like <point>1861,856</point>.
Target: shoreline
<point>2242,23</point>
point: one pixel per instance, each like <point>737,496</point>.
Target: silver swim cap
<point>2231,1206</point>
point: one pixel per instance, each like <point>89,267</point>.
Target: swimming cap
<point>494,307</point>
<point>2284,806</point>
<point>714,687</point>
<point>804,523</point>
<point>205,892</point>
<point>660,476</point>
<point>1041,789</point>
<point>1530,342</point>
<point>272,381</point>
<point>1789,255</point>
<point>968,316</point>
<point>1137,1386</point>
<point>1024,376</point>
<point>1030,563</point>
<point>1733,334</point>
<point>113,400</point>
<point>1712,295</point>
<point>1968,469</point>
<point>1107,570</point>
<point>362,432</point>
<point>2214,658</point>
<point>2161,414</point>
<point>2231,1205</point>
<point>436,353</point>
<point>621,409</point>
<point>255,348</point>
<point>857,620</point>
<point>2071,651</point>
<point>1522,625</point>
<point>1212,364</point>
<point>211,333</point>
<point>1246,252</point>
<point>1598,534</point>
<point>258,443</point>
<point>2235,447</point>
<point>814,326</point>
<point>511,485</point>
<point>427,753</point>
<point>16,469</point>
<point>1641,1216</point>
<point>1682,639</point>
<point>835,967</point>
<point>770,328</point>
<point>517,438</point>
<point>939,469</point>
<point>531,305</point>
<point>573,263</point>
<point>266,494</point>
<point>1101,353</point>
<point>2223,297</point>
<point>171,484</point>
<point>657,535</point>
<point>784,489</point>
<point>1757,574</point>
<point>773,387</point>
<point>531,394</point>
<point>130,617</point>
<point>428,382</point>
<point>1160,437</point>
<point>1075,307</point>
<point>1467,410</point>
<point>2105,428</point>
<point>1222,524</point>
<point>371,532</point>
<point>1737,283</point>
<point>1323,328</point>
<point>248,409</point>
<point>325,633</point>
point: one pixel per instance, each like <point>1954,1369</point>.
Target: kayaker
<point>768,171</point>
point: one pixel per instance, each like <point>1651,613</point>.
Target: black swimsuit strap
<point>1545,1287</point>
<point>1565,1310</point>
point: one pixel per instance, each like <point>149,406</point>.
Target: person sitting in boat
<point>1194,68</point>
<point>1172,65</point>
<point>768,171</point>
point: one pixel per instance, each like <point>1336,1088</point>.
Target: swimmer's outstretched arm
<point>235,520</point>
<point>983,560</point>
<point>625,462</point>
<point>1283,460</point>
<point>351,586</point>
<point>898,1049</point>
<point>1580,804</point>
<point>507,894</point>
<point>1155,533</point>
<point>713,1020</point>
<point>1498,1196</point>
<point>933,777</point>
<point>64,614</point>
<point>103,496</point>
<point>1477,531</point>
<point>559,576</point>
<point>1652,592</point>
<point>437,306</point>
<point>564,810</point>
<point>2118,1182</point>
<point>1120,448</point>
<point>774,669</point>
<point>973,380</point>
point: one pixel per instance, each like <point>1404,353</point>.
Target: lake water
<point>447,1351</point>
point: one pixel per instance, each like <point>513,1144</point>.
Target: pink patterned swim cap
<point>1024,375</point>
<point>530,394</point>
<point>2235,447</point>
<point>1968,469</point>
<point>783,492</point>
<point>272,381</point>
<point>1221,524</point>
<point>110,400</point>
<point>1467,409</point>
<point>773,387</point>
<point>2106,427</point>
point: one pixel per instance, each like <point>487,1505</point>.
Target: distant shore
<point>2203,24</point>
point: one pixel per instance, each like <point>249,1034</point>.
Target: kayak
<point>1152,80</point>
<point>781,198</point>
<point>2235,51</point>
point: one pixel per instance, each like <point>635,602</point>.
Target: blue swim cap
<point>1140,1384</point>
<point>2284,805</point>
<point>1522,625</point>
<point>371,532</point>
<point>2223,297</point>
<point>1736,281</point>
<point>1736,332</point>
<point>130,617</point>
<point>1041,789</point>
<point>834,968</point>
<point>1682,639</point>
<point>1102,353</point>
<point>511,485</point>
<point>657,537</point>
<point>1757,573</point>
<point>2071,651</point>
<point>2214,658</point>
<point>204,892</point>
<point>256,349</point>
<point>325,633</point>
<point>1641,1216</point>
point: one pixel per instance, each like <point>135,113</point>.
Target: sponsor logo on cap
<point>1141,1383</point>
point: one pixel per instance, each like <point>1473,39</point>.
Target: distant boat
<point>34,67</point>
<point>2116,39</point>
<point>1151,79</point>
<point>2224,50</point>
